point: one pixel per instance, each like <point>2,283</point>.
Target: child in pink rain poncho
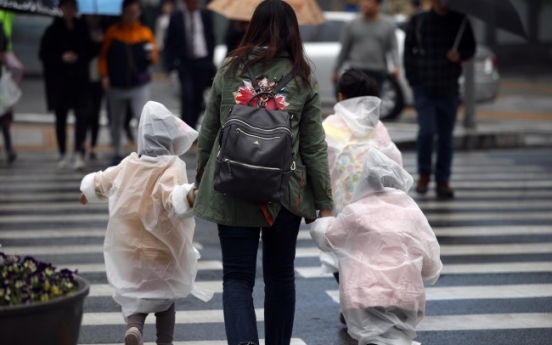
<point>386,252</point>
<point>148,252</point>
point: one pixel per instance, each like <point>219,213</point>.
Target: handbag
<point>10,93</point>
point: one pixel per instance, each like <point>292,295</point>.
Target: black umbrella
<point>499,13</point>
<point>41,7</point>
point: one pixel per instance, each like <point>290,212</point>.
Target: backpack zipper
<point>260,129</point>
<point>229,161</point>
<point>239,130</point>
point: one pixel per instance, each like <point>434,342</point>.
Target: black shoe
<point>93,156</point>
<point>444,192</point>
<point>12,156</point>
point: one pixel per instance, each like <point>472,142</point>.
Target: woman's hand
<point>325,213</point>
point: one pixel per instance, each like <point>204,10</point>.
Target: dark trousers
<point>5,122</point>
<point>436,118</point>
<point>96,95</point>
<point>239,257</point>
<point>81,125</point>
<point>194,78</point>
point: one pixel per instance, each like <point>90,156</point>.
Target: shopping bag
<point>9,91</point>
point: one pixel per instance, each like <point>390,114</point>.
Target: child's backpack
<point>255,158</point>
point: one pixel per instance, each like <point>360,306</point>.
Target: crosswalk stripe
<point>187,317</point>
<point>65,249</point>
<point>461,172</point>
<point>103,290</point>
<point>425,204</point>
<point>294,341</point>
<point>460,194</point>
<point>545,183</point>
<point>302,252</point>
<point>494,268</point>
<point>481,205</point>
<point>485,322</point>
<point>478,292</point>
<point>439,217</point>
<point>47,233</point>
<point>467,231</point>
<point>202,265</point>
<point>466,249</point>
<point>52,206</point>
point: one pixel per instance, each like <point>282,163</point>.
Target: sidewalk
<point>521,116</point>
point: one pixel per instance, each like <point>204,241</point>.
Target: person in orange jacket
<point>129,49</point>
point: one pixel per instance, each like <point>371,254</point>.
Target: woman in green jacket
<point>272,47</point>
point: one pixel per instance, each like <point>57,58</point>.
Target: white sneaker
<point>79,163</point>
<point>63,163</point>
<point>133,337</point>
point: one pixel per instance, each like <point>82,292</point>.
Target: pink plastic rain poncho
<point>148,252</point>
<point>386,251</point>
<point>350,133</point>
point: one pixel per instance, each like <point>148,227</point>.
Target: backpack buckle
<point>264,100</point>
<point>293,166</point>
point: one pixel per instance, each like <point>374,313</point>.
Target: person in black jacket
<point>436,44</point>
<point>65,51</point>
<point>189,48</point>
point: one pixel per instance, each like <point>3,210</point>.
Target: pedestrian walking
<point>66,51</point>
<point>148,252</point>
<point>367,42</point>
<point>387,251</point>
<point>96,31</point>
<point>273,49</point>
<point>6,118</point>
<point>128,51</point>
<point>189,49</point>
<point>437,43</point>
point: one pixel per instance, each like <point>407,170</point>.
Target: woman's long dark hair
<point>274,27</point>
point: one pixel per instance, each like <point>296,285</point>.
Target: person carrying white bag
<point>387,251</point>
<point>148,251</point>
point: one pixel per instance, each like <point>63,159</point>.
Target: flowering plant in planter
<point>35,295</point>
<point>27,280</point>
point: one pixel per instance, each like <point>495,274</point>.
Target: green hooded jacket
<point>309,187</point>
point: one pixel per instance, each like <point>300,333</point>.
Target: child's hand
<point>82,199</point>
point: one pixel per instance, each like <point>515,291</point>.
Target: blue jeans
<point>239,258</point>
<point>436,117</point>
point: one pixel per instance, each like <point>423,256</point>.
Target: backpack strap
<point>283,82</point>
<point>253,80</point>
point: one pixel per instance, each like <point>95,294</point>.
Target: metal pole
<point>469,94</point>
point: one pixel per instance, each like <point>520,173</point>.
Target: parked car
<point>322,47</point>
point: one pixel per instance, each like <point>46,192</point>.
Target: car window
<point>329,31</point>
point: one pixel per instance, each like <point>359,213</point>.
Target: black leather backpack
<point>255,157</point>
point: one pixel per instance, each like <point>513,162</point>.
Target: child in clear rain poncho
<point>350,132</point>
<point>386,251</point>
<point>148,252</point>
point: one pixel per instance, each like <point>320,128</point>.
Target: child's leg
<point>164,324</point>
<point>138,321</point>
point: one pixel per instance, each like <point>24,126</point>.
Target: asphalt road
<point>496,242</point>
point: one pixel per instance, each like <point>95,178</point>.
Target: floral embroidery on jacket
<point>247,91</point>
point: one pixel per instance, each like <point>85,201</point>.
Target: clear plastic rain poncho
<point>350,133</point>
<point>386,251</point>
<point>353,129</point>
<point>148,252</point>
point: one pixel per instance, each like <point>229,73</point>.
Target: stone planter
<point>56,322</point>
